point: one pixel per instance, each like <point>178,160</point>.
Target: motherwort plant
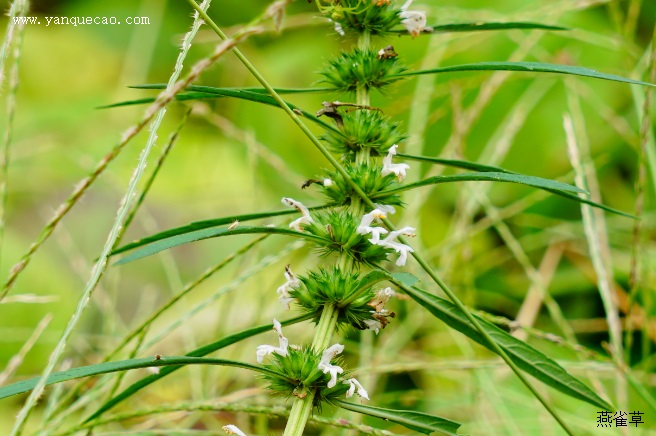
<point>364,253</point>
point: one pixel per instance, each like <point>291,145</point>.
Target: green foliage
<point>364,130</point>
<point>361,68</point>
<point>349,292</point>
<point>358,16</point>
<point>417,421</point>
<point>335,231</point>
<point>368,177</point>
<point>301,366</point>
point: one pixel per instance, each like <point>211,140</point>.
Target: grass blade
<point>466,165</point>
<point>476,27</point>
<point>199,225</point>
<point>532,67</point>
<point>417,421</point>
<point>197,235</point>
<point>199,352</point>
<point>125,365</point>
<point>205,92</point>
<point>488,176</point>
<point>525,357</point>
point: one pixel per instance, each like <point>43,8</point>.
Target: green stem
<point>340,169</point>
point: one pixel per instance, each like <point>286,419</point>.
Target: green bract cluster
<point>301,367</point>
<point>361,129</point>
<point>339,229</point>
<point>359,16</point>
<point>363,68</point>
<point>350,292</point>
<point>368,177</point>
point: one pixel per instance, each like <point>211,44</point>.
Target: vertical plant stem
<point>367,201</point>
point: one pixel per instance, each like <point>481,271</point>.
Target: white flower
<point>413,21</point>
<point>327,182</point>
<point>366,228</point>
<point>339,29</point>
<point>386,208</point>
<point>264,350</point>
<point>355,384</point>
<point>400,248</point>
<point>233,429</point>
<point>381,298</point>
<point>305,219</point>
<point>397,169</point>
<point>326,367</point>
<point>292,283</point>
<point>374,325</point>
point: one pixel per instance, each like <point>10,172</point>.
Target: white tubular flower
<point>326,367</point>
<point>265,350</point>
<point>292,283</point>
<point>381,299</point>
<point>400,248</point>
<point>355,384</point>
<point>233,429</point>
<point>413,21</point>
<point>366,228</point>
<point>305,219</point>
<point>386,208</point>
<point>390,168</point>
<point>327,183</point>
<point>374,325</point>
<point>339,29</point>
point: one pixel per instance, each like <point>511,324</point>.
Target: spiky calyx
<point>368,176</point>
<point>362,67</point>
<point>338,228</point>
<point>364,129</point>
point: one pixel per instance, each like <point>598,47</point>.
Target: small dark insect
<point>158,357</point>
<point>309,182</point>
<point>387,53</point>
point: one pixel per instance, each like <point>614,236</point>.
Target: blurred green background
<point>237,157</point>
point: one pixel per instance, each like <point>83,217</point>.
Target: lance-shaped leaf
<point>249,94</point>
<point>476,27</point>
<point>197,235</point>
<point>198,352</point>
<point>533,67</point>
<point>490,169</point>
<point>417,421</point>
<point>525,357</point>
<point>536,182</point>
<point>205,224</point>
<point>126,365</point>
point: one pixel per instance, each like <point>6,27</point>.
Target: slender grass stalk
<point>18,8</point>
<point>637,247</point>
<point>216,406</point>
<point>157,111</point>
<point>14,80</point>
<point>387,223</point>
<point>17,360</point>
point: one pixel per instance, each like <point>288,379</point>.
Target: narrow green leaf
<point>174,241</point>
<point>533,67</point>
<point>205,92</point>
<point>125,365</point>
<point>536,182</point>
<point>205,224</point>
<point>455,163</point>
<point>417,421</point>
<point>198,352</point>
<point>487,168</point>
<point>475,27</point>
<point>213,90</point>
<point>525,357</point>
